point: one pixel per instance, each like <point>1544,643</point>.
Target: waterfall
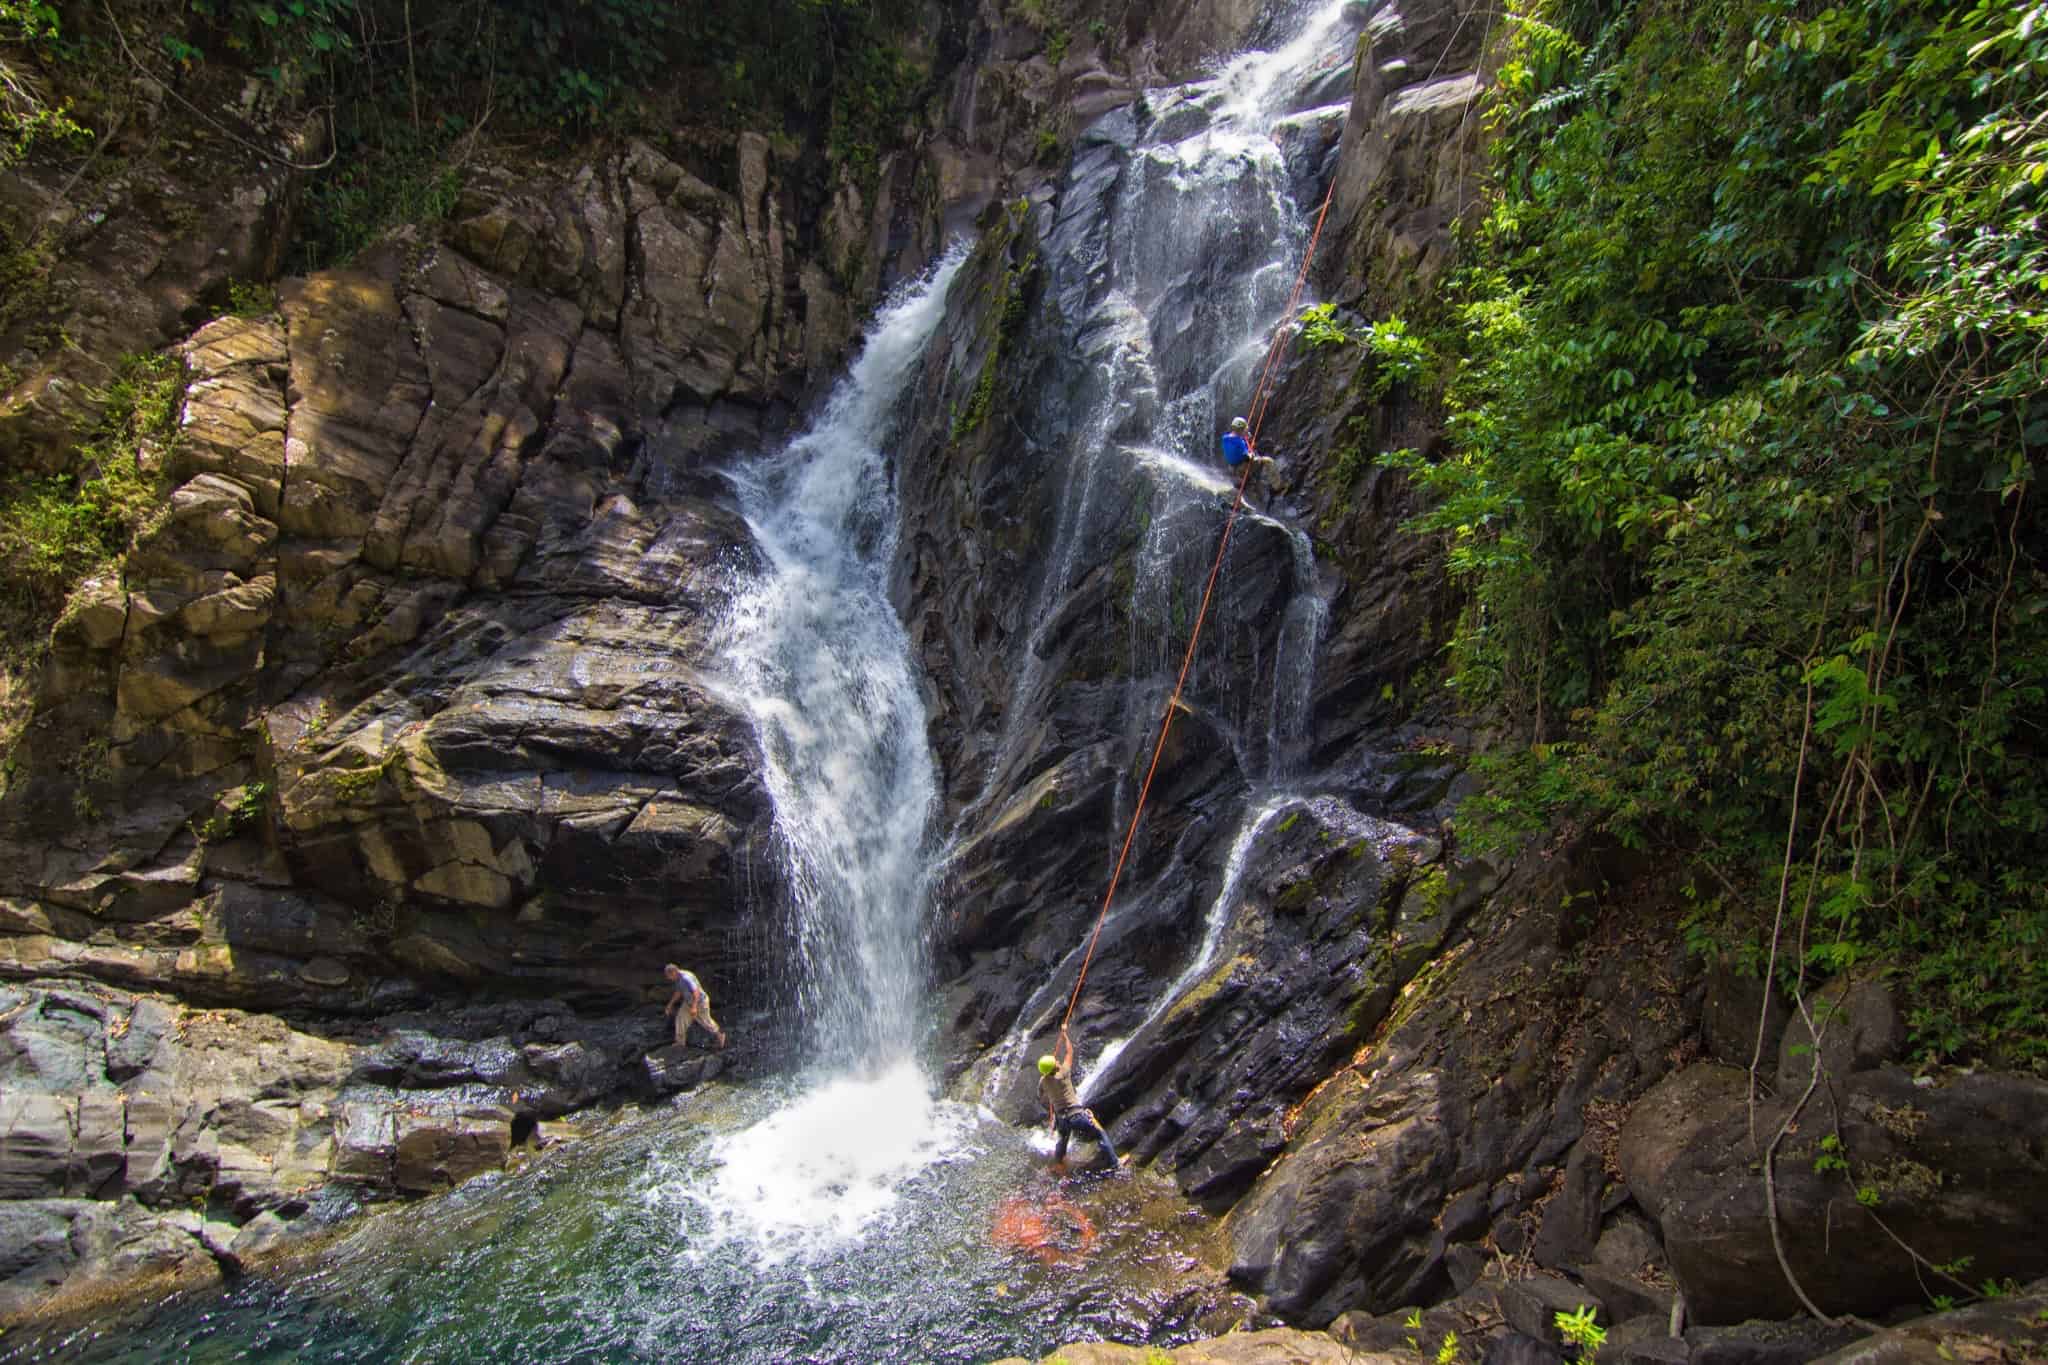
<point>1173,252</point>
<point>820,664</point>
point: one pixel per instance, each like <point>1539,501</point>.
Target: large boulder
<point>1954,1166</point>
<point>2011,1327</point>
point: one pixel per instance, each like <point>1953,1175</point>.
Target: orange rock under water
<point>1050,1227</point>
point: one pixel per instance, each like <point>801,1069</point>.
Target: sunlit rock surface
<point>1275,1346</point>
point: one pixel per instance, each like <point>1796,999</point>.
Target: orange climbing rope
<point>1257,416</point>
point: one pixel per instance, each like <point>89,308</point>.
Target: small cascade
<point>1256,817</point>
<point>1332,814</point>
<point>1301,632</point>
<point>1174,280</point>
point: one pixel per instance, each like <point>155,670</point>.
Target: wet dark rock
<point>1767,1343</point>
<point>1472,1097</point>
<point>565,1076</point>
<point>1860,1027</point>
<point>669,1070</point>
<point>1513,1348</point>
<point>133,1050</point>
<point>1531,1305</point>
<point>1958,1170</point>
<point>1624,1295</point>
<point>35,1146</point>
<point>1628,1243</point>
<point>1731,1013</point>
<point>413,1060</point>
<point>260,1236</point>
<point>1655,1350</point>
<point>52,1245</point>
<point>2012,1327</point>
<point>1631,1335</point>
<point>1465,1264</point>
<point>440,1148</point>
<point>1398,1331</point>
<point>1571,1221</point>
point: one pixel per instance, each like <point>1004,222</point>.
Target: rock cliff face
<point>416,647</point>
<point>403,699</point>
<point>1289,877</point>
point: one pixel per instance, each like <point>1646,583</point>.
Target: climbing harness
<point>1260,397</point>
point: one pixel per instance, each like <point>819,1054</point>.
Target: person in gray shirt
<point>690,1004</point>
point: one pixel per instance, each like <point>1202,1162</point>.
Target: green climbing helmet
<point>1046,1065</point>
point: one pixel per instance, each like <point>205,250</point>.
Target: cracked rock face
<point>412,678</point>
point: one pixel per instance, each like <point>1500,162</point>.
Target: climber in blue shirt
<point>1237,448</point>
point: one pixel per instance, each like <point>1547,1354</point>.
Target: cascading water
<point>843,1215</point>
<point>1174,288</point>
<point>821,665</point>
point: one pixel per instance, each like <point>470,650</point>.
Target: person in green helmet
<point>1063,1107</point>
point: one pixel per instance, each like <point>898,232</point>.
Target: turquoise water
<point>634,1245</point>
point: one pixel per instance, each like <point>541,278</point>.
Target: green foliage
<point>1399,356</point>
<point>29,301</point>
<point>251,300</point>
<point>1579,1330</point>
<point>407,85</point>
<point>1320,329</point>
<point>1003,323</point>
<point>238,816</point>
<point>1830,1157</point>
<point>388,173</point>
<point>26,115</point>
<point>289,42</point>
<point>54,531</point>
<point>876,83</point>
<point>1746,426</point>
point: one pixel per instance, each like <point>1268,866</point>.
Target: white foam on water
<point>828,1169</point>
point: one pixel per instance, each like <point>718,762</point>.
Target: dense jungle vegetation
<point>1745,377</point>
<point>402,84</point>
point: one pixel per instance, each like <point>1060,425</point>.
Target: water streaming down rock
<point>1172,250</point>
<point>820,665</point>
